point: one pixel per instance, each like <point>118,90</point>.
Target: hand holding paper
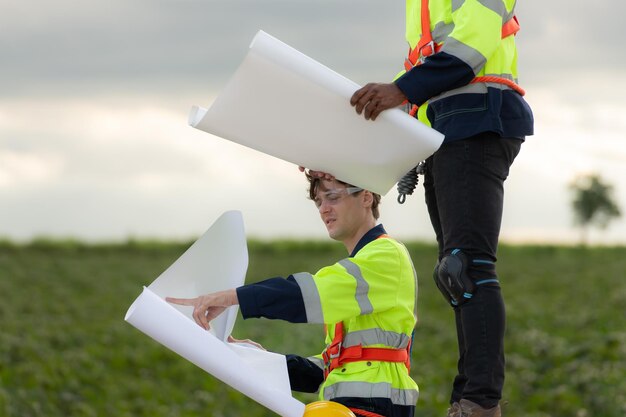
<point>374,98</point>
<point>208,306</point>
<point>245,342</point>
<point>300,112</point>
<point>214,263</point>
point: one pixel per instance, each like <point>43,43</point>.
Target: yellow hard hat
<point>327,409</point>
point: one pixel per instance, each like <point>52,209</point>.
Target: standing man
<point>462,73</point>
<point>366,301</point>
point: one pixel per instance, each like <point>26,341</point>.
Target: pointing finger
<point>181,301</point>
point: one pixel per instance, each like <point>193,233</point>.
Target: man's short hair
<point>314,183</point>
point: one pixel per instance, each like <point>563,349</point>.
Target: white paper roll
<point>285,104</point>
<point>218,260</point>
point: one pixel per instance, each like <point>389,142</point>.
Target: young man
<point>366,301</point>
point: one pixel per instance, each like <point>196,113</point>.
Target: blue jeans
<point>464,191</point>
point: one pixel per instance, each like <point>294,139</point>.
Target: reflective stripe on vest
<point>311,298</point>
<point>427,47</point>
<point>362,287</point>
<point>319,362</point>
<point>371,390</point>
<point>376,337</point>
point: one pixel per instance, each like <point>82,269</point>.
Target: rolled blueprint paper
<point>168,326</point>
<point>218,260</point>
<point>285,104</point>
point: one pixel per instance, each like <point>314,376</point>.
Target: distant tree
<point>593,203</point>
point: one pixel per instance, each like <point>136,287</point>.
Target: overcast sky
<point>94,98</point>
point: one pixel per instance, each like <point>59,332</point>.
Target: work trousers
<point>464,191</point>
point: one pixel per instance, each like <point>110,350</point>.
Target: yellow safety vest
<point>373,296</point>
<point>483,41</point>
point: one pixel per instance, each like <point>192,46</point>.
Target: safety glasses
<point>334,196</point>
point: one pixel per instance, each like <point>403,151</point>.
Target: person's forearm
<point>441,72</point>
<point>274,298</point>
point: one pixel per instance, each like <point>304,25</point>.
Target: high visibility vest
<point>367,303</point>
<point>498,51</point>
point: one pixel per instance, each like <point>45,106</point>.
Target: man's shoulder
<point>383,245</point>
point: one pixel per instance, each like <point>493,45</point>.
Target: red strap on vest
<point>499,80</point>
<point>511,27</point>
<point>335,355</point>
<point>364,413</point>
<point>427,47</point>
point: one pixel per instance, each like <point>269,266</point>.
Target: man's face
<point>341,208</point>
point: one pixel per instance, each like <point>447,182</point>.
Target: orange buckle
<point>328,354</point>
<point>331,360</point>
<point>427,50</point>
<point>335,355</point>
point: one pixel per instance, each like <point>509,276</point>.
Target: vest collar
<point>373,234</point>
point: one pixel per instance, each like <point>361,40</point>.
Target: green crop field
<point>65,349</point>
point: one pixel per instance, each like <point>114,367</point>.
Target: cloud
<point>562,36</point>
<point>111,168</point>
<point>19,167</point>
<point>145,45</point>
<point>571,138</point>
<point>94,141</point>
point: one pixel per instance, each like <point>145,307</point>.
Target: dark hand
<point>376,97</point>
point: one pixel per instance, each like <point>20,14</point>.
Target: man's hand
<point>208,306</point>
<point>231,339</point>
<point>376,97</point>
<point>318,174</point>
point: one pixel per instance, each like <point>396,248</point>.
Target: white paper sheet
<point>285,104</point>
<point>216,261</point>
